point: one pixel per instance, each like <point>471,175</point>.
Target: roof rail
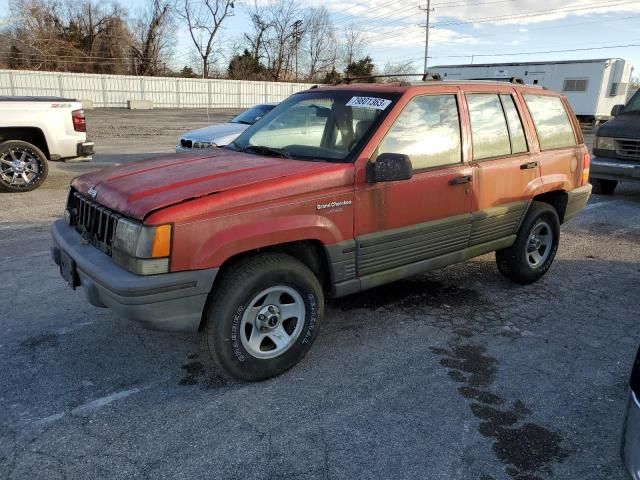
<point>426,77</point>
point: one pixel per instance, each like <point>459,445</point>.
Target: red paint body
<point>225,203</point>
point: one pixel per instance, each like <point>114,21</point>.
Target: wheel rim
<point>539,244</point>
<point>272,322</point>
<point>19,167</point>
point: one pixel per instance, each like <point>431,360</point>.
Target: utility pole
<point>426,36</point>
<point>297,36</point>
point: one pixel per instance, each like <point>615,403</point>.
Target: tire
<point>23,166</point>
<point>602,186</point>
<point>240,304</point>
<point>535,247</point>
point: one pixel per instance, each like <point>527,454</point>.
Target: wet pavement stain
<point>194,370</point>
<point>409,296</point>
<point>46,340</point>
<point>525,448</point>
<point>469,364</point>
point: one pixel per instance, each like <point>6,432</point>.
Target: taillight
<point>79,121</point>
<point>586,164</point>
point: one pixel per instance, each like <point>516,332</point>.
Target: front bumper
<point>630,448</point>
<point>86,149</point>
<point>615,169</point>
<point>171,301</point>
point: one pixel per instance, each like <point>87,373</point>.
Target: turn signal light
<point>161,246</point>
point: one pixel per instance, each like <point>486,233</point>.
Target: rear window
<point>551,121</point>
<point>489,132</point>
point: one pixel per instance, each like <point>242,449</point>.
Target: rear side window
<point>551,120</point>
<point>489,132</point>
<point>428,131</point>
<point>518,139</point>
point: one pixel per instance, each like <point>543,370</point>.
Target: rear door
<point>406,222</point>
<point>560,141</point>
<point>505,170</point>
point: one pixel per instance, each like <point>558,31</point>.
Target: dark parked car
<point>616,151</point>
<point>631,434</point>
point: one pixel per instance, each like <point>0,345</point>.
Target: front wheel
<point>23,166</point>
<point>262,317</point>
<point>535,247</point>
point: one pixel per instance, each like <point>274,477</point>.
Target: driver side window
<point>428,131</point>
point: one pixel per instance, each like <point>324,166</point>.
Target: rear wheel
<point>23,166</point>
<point>535,247</point>
<point>602,186</point>
<point>262,317</point>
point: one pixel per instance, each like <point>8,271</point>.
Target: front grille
<point>186,143</point>
<point>96,224</point>
<point>627,148</point>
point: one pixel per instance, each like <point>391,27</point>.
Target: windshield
<point>634,104</point>
<point>251,116</point>
<point>318,125</point>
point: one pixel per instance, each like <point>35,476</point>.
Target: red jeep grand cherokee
<point>336,190</point>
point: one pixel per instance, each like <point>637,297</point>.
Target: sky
<point>465,31</point>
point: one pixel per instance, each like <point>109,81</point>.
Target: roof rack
<point>516,80</point>
<point>426,77</point>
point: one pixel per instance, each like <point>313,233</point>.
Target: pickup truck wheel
<point>602,186</point>
<point>535,247</point>
<point>262,317</point>
<point>23,167</point>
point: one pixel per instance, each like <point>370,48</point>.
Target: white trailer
<point>593,87</point>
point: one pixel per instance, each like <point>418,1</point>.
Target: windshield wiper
<point>269,151</point>
<point>242,122</point>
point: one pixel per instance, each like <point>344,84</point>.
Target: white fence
<point>164,92</point>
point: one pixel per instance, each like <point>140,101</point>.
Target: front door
<point>399,224</point>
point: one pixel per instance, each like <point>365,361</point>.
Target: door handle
<point>528,165</point>
<point>461,180</point>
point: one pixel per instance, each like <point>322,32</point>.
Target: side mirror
<point>617,110</point>
<point>390,167</point>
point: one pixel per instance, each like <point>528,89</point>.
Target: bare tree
<point>319,44</point>
<point>261,26</point>
<point>279,44</point>
<point>153,38</point>
<point>352,45</point>
<point>204,19</point>
<point>400,69</point>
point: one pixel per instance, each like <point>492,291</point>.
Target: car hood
<point>213,133</point>
<point>139,188</point>
<point>622,126</point>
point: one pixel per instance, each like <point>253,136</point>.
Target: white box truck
<point>593,87</point>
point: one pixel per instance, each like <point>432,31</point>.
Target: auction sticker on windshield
<point>369,102</point>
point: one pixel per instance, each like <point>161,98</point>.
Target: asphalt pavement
<point>456,374</point>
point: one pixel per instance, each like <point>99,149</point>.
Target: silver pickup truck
<point>35,130</point>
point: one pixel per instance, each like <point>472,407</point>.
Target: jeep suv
<point>336,190</point>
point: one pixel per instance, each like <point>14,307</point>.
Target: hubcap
<point>272,322</point>
<point>18,167</point>
<point>539,244</point>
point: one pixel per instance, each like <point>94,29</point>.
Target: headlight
<point>203,144</point>
<point>604,143</point>
<point>141,249</point>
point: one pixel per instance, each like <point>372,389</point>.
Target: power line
<point>494,19</point>
<point>604,47</point>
